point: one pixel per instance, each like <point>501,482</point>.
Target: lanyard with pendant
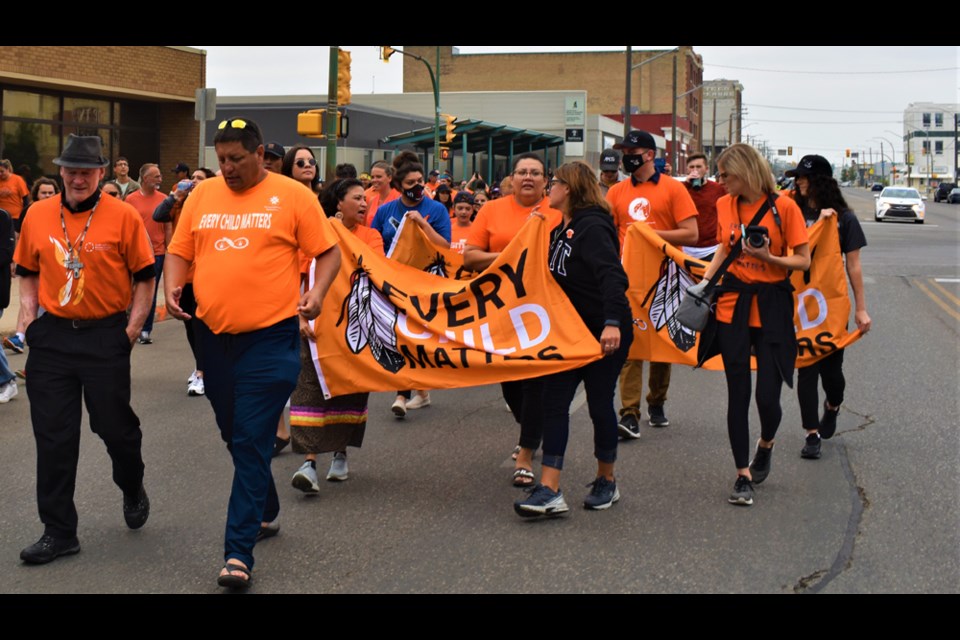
<point>72,263</point>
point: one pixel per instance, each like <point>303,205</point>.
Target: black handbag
<point>698,303</point>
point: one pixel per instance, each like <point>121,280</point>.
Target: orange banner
<point>414,248</point>
<point>388,326</point>
<point>660,273</point>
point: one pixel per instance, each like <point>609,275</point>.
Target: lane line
<point>947,294</point>
<point>946,279</point>
<point>943,305</point>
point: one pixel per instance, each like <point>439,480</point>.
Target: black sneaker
<point>47,549</point>
<point>742,492</point>
<point>828,424</point>
<point>629,426</point>
<point>542,501</point>
<point>760,465</point>
<point>811,450</point>
<point>137,510</point>
<point>657,417</point>
<point>603,493</point>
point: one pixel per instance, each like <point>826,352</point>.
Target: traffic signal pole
<point>331,119</point>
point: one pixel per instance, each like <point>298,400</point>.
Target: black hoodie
<point>585,262</point>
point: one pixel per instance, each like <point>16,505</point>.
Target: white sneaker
<point>8,391</point>
<point>338,468</point>
<point>305,479</point>
<point>193,376</point>
<point>419,401</point>
<point>195,388</point>
<point>399,407</point>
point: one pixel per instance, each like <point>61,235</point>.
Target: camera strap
<point>738,247</point>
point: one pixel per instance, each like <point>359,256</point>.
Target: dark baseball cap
<point>181,166</point>
<point>609,160</point>
<point>463,196</point>
<point>810,166</point>
<point>637,139</point>
<point>274,149</point>
<point>434,173</point>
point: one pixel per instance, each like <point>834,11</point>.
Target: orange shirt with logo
<point>145,205</point>
<point>374,202</point>
<point>12,192</point>
<point>731,213</point>
<point>499,221</point>
<point>660,204</point>
<point>114,248</point>
<point>245,249</point>
<point>458,236</point>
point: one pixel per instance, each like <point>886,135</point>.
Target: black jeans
<point>69,366</point>
<point>830,371</point>
<point>736,365</point>
<point>525,399</point>
<point>188,302</point>
<point>599,381</point>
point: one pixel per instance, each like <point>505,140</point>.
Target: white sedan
<point>901,203</point>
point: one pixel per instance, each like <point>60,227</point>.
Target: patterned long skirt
<point>318,425</point>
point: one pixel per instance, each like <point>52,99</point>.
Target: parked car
<point>943,190</point>
<point>876,186</point>
<point>954,196</point>
<point>902,203</point>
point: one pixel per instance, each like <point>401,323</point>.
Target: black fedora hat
<point>82,152</point>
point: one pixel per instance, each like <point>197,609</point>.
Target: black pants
<point>830,371</point>
<point>736,365</point>
<point>188,302</point>
<point>525,399</point>
<point>68,366</point>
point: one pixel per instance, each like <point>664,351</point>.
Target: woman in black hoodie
<point>585,261</point>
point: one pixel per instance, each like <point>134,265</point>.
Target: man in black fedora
<point>86,259</point>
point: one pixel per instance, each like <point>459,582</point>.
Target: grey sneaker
<point>629,426</point>
<point>760,465</point>
<point>305,479</point>
<point>742,492</point>
<point>338,468</point>
<point>657,417</point>
<point>603,493</point>
<point>542,501</point>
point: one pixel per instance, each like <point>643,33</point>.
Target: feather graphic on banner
<point>668,292</point>
<point>371,321</point>
<point>438,266</point>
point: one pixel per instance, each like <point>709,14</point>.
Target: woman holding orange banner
<point>754,311</point>
<point>494,227</point>
<point>819,197</point>
<point>585,262</point>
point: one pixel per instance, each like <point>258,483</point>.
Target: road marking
<point>946,293</point>
<point>943,305</point>
<point>872,222</point>
<point>946,279</point>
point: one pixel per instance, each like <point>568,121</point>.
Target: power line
<point>771,106</point>
<point>851,73</point>
<point>820,122</point>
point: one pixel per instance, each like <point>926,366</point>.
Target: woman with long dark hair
<point>300,164</point>
<point>585,262</point>
<point>754,310</point>
<point>818,196</point>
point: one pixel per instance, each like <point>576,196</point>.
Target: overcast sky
<point>817,99</point>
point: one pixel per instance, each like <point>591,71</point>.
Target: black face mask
<point>632,162</point>
<point>414,193</point>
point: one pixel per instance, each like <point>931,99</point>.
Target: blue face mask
<point>414,193</point>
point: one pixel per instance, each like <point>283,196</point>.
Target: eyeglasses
<point>556,181</point>
<point>535,173</point>
<point>312,162</point>
<point>233,123</point>
<point>724,176</point>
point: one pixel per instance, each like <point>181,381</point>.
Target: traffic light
<point>386,52</point>
<point>343,77</point>
<point>310,123</point>
<point>451,126</point>
<point>789,150</point>
<point>444,153</point>
<point>848,153</point>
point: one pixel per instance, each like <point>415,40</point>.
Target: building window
<point>938,119</point>
<point>925,121</point>
<point>938,147</point>
<point>926,146</point>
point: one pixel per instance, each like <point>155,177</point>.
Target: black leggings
<point>736,364</point>
<point>830,371</point>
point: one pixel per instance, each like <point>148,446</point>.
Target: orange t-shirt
<point>731,213</point>
<point>500,220</point>
<point>458,236</point>
<point>660,204</point>
<point>245,247</point>
<point>370,237</point>
<point>374,202</point>
<point>12,191</point>
<point>145,205</point>
<point>115,247</point>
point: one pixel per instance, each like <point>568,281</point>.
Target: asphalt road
<point>428,506</point>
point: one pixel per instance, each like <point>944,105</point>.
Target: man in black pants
<point>83,258</point>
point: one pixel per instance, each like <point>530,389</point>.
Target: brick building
<point>139,100</point>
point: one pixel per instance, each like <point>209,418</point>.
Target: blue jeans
<point>5,374</point>
<point>158,271</point>
<point>248,378</point>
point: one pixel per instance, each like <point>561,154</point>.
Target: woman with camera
<point>818,196</point>
<point>754,311</point>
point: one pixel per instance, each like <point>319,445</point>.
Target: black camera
<point>756,235</point>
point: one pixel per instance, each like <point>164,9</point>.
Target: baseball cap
<point>811,165</point>
<point>609,160</point>
<point>274,149</point>
<point>637,139</point>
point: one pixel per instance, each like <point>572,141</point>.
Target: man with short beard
<point>145,200</point>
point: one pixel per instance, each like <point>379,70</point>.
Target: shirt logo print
<point>274,200</point>
<point>639,209</point>
<point>229,243</point>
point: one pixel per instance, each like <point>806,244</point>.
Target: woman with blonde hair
<point>585,262</point>
<point>754,310</point>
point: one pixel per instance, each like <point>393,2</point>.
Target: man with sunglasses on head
<point>243,233</point>
<point>663,203</point>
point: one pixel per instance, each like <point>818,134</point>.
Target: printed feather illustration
<point>438,267</point>
<point>371,321</point>
<point>68,289</point>
<point>668,292</point>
